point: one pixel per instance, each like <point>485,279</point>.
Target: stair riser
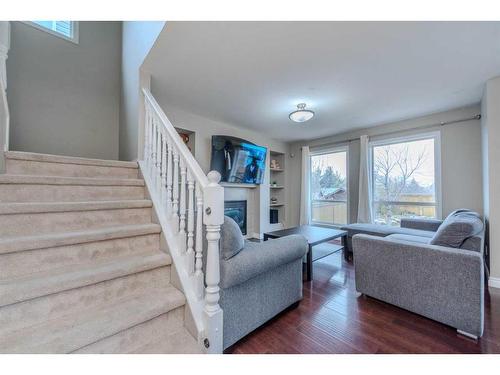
<point>136,338</point>
<point>28,167</point>
<point>76,301</point>
<point>52,222</point>
<point>24,263</point>
<point>67,193</point>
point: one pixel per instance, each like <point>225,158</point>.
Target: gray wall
<point>491,166</point>
<point>137,40</point>
<point>64,97</point>
<point>461,166</point>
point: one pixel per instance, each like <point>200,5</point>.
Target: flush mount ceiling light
<point>301,114</point>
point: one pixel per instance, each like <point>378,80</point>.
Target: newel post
<point>213,217</point>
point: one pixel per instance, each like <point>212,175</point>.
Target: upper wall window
<point>64,29</point>
<point>406,178</point>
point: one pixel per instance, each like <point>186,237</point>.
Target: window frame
<point>436,135</point>
<point>326,151</point>
<point>75,38</point>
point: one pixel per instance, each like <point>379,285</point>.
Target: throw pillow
<point>232,241</point>
<point>457,228</point>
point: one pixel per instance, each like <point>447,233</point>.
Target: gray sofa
<point>435,269</point>
<point>258,280</point>
<point>412,227</point>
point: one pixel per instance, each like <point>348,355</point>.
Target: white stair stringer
<point>82,264</point>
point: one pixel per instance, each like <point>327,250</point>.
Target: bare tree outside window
<point>404,181</point>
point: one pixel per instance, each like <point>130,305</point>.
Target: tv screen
<point>237,160</point>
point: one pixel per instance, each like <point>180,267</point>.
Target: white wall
<point>64,97</point>
<point>461,166</point>
<point>491,165</point>
<point>137,40</point>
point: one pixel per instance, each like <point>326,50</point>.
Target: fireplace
<point>237,210</point>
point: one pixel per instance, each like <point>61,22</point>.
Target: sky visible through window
<point>404,181</point>
<point>424,174</point>
<point>335,160</point>
<point>61,27</point>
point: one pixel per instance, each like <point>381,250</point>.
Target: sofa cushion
<point>431,225</point>
<point>383,230</point>
<point>231,238</point>
<point>457,228</point>
<point>409,238</point>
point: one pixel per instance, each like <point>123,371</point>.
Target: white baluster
<point>163,169</point>
<point>169,178</point>
<point>213,217</point>
<point>149,149</point>
<point>198,273</point>
<point>175,195</point>
<point>190,224</point>
<point>182,208</point>
<point>153,150</point>
<point>147,115</point>
<point>158,161</point>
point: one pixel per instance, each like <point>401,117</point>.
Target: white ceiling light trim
<point>301,114</point>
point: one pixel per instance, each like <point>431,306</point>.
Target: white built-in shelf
<point>237,185</point>
<point>276,204</point>
<point>277,187</point>
<point>276,169</point>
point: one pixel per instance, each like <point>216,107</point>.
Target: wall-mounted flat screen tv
<point>237,160</point>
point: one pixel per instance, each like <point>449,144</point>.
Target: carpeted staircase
<point>83,268</point>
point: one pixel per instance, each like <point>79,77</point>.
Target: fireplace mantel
<point>239,186</point>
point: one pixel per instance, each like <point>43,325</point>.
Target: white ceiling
<point>352,74</point>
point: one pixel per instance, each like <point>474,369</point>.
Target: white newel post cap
<point>213,210</point>
<point>214,177</point>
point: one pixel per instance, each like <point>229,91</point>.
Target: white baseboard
<point>494,282</point>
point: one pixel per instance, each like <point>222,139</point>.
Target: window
<point>405,178</point>
<point>329,187</point>
<point>65,29</point>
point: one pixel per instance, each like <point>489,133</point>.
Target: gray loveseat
<point>436,271</point>
<point>258,280</point>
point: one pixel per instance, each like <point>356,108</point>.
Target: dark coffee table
<point>314,236</point>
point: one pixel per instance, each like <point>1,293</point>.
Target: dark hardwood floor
<point>333,319</point>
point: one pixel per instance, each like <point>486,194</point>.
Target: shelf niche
<point>277,189</point>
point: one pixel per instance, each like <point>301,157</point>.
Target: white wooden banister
<point>177,141</point>
<point>186,202</point>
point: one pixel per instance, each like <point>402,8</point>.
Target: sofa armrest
<point>257,258</point>
<point>442,283</point>
<point>422,224</point>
